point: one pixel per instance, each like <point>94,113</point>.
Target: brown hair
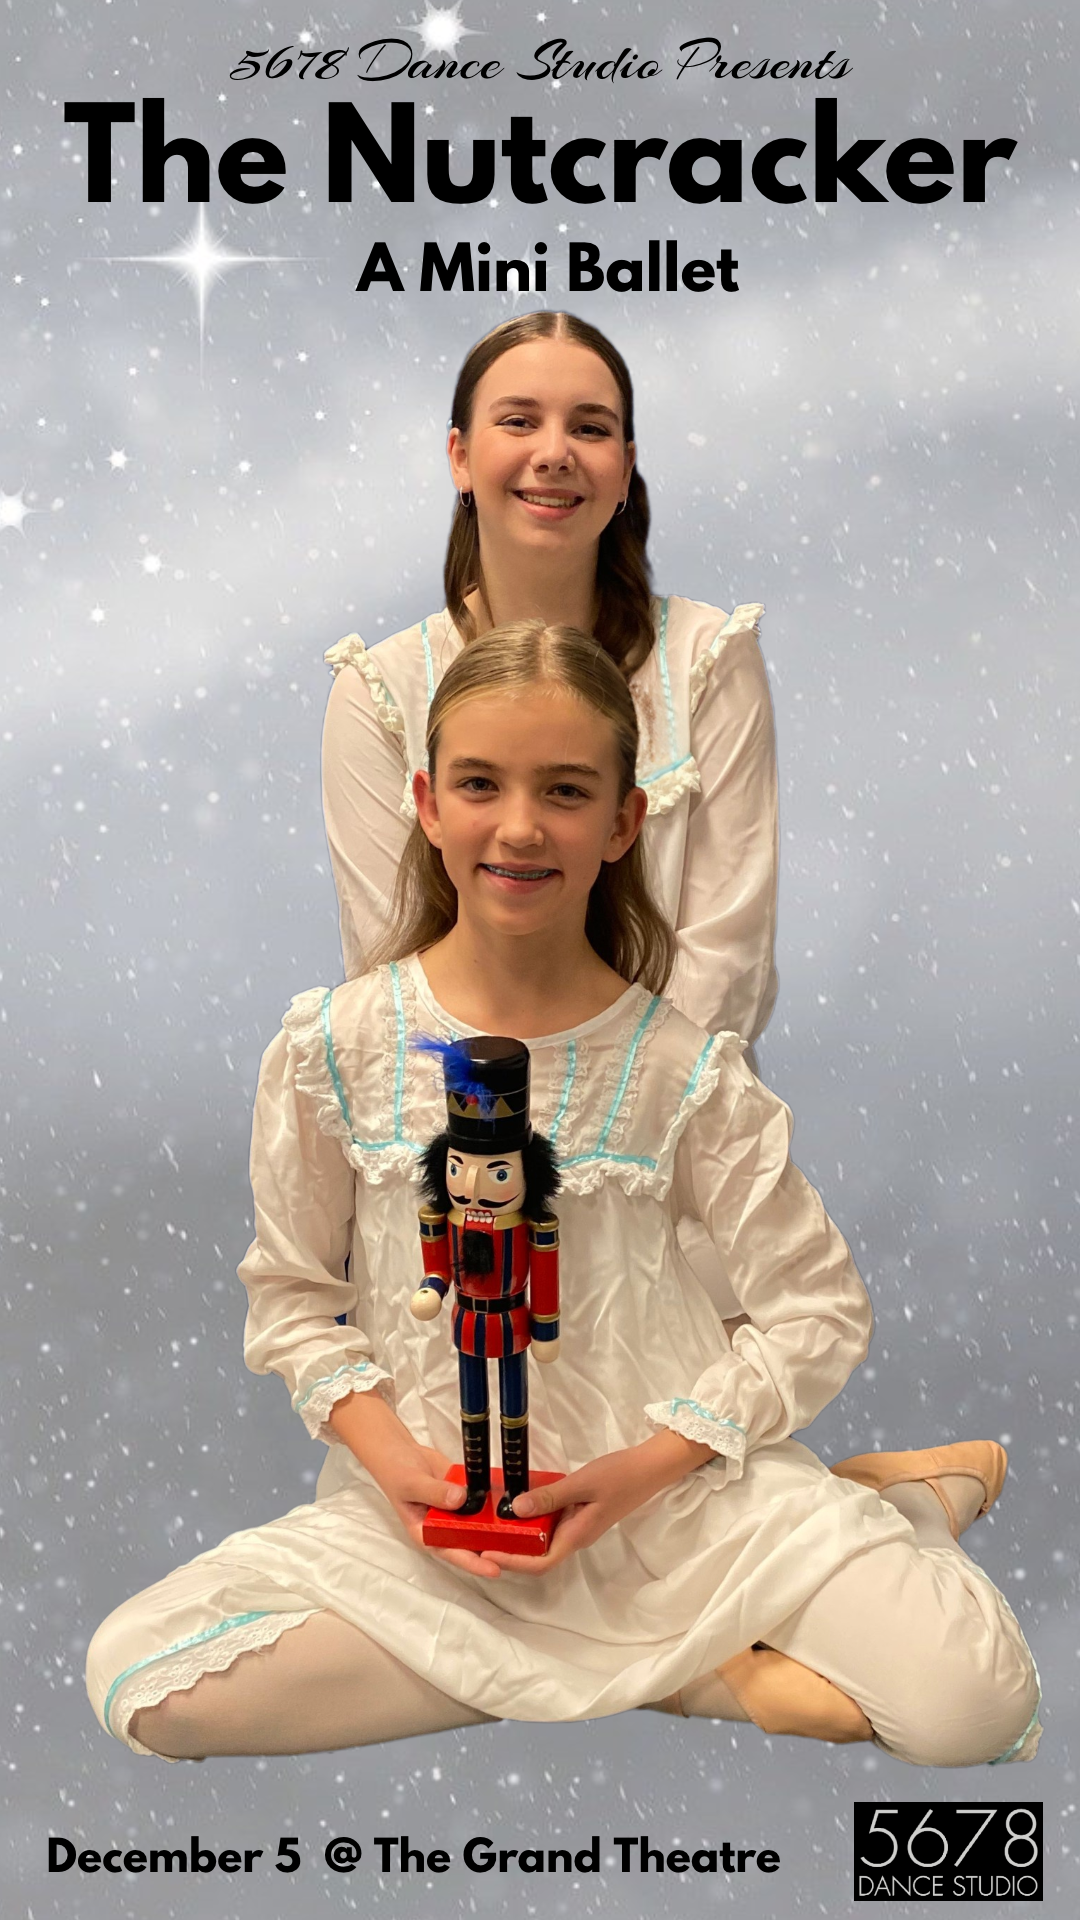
<point>623,924</point>
<point>624,624</point>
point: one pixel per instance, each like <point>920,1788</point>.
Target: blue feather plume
<point>458,1070</point>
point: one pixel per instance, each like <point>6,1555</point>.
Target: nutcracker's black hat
<point>487,1094</point>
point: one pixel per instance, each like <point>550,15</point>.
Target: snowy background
<point>876,437</point>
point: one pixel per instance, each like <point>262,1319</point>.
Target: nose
<point>519,826</point>
<point>553,448</point>
<point>471,1177</point>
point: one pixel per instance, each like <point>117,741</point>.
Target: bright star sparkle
<point>441,29</point>
<point>202,262</point>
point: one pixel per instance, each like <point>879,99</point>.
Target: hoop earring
<point>621,508</point>
<point>465,498</point>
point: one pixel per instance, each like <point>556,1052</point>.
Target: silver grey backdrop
<point>876,438</point>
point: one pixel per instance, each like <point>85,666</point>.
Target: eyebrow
<point>467,763</point>
<point>580,406</point>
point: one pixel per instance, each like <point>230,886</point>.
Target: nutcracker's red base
<point>478,1531</point>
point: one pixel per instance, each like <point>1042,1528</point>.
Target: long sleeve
<point>294,1270</point>
<point>725,978</point>
<point>789,1266</point>
<point>363,773</point>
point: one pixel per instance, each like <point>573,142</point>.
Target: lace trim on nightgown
<point>176,1669</point>
<point>351,652</point>
<point>589,1155</point>
<point>307,1024</point>
<point>665,789</point>
<point>702,1424</point>
<point>743,620</point>
<point>314,1406</point>
<point>641,1172</point>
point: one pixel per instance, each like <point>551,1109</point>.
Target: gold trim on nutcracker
<point>465,1105</point>
<point>478,1418</point>
<point>543,1319</point>
<point>514,1419</point>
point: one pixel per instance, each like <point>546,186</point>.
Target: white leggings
<point>920,1639</point>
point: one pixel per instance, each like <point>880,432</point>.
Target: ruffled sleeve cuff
<point>315,1402</point>
<point>704,1425</point>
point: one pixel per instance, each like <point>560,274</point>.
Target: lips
<point>535,499</point>
<point>518,880</point>
<point>519,873</point>
<point>552,507</point>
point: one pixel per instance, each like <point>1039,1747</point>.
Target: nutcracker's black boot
<point>515,1464</point>
<point>476,1434</point>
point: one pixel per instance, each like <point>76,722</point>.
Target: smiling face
<point>544,455</point>
<point>495,1184</point>
<point>524,806</point>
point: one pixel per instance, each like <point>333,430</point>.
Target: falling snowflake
<point>13,511</point>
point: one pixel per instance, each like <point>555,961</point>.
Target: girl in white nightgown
<point>694,1526</point>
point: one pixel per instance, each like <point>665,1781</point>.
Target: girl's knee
<point>107,1657</point>
<point>967,1718</point>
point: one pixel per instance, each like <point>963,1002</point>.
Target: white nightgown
<point>651,1118</point>
<point>707,761</point>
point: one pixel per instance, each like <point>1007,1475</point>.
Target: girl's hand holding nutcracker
<point>601,1494</point>
<point>412,1477</point>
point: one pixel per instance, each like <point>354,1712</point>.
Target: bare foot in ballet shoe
<point>965,1477</point>
<point>780,1695</point>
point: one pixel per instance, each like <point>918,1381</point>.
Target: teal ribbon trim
<point>616,1159</point>
<point>699,1068</point>
<point>706,1413</point>
<point>331,1059</point>
<point>649,1013</point>
<point>646,779</point>
<point>350,1366</point>
<point>193,1640</point>
<point>567,1089</point>
<point>398,1139</point>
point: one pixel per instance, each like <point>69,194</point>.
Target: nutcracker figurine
<point>488,1231</point>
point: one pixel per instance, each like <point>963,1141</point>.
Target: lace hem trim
<point>743,620</point>
<point>701,1424</point>
<point>177,1669</point>
<point>351,652</point>
<point>315,1406</point>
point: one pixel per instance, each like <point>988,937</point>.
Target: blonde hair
<point>624,621</point>
<point>623,924</point>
